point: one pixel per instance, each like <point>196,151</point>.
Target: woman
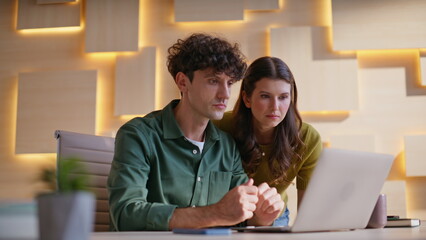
<point>275,145</point>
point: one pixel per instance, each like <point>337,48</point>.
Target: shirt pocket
<point>219,183</point>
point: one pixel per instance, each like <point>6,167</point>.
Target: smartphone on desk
<point>205,231</point>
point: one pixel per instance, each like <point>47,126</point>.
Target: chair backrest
<point>96,153</point>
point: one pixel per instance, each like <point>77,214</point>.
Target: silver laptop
<point>341,194</point>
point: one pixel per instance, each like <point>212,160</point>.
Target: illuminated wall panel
<point>423,70</point>
<point>395,195</point>
<point>48,101</point>
<point>135,83</point>
<point>326,81</point>
<point>208,10</point>
<point>390,24</point>
<point>54,1</point>
<point>261,5</point>
<point>32,15</point>
<point>415,153</point>
<point>353,142</point>
<point>112,25</point>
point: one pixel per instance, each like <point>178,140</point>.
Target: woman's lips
<point>272,116</point>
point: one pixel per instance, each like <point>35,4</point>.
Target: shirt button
<point>198,179</point>
<point>194,151</point>
<point>193,206</point>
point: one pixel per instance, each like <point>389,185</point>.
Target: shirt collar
<point>171,129</point>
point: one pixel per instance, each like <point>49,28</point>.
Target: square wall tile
<point>263,5</point>
<point>32,15</point>
<point>390,24</point>
<point>208,10</point>
<point>326,81</point>
<point>48,101</point>
<point>112,25</point>
<point>135,83</point>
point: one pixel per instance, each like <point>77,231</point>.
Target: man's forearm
<point>195,217</point>
<point>236,206</point>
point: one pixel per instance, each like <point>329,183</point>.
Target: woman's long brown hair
<point>287,143</point>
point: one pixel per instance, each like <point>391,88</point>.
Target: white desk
<point>387,233</point>
<point>21,223</point>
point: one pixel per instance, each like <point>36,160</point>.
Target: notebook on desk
<point>341,194</point>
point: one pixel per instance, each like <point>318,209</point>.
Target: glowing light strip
<point>37,158</point>
<point>51,30</point>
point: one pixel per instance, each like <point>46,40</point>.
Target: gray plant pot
<point>66,216</point>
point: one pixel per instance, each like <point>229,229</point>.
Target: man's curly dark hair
<point>201,51</point>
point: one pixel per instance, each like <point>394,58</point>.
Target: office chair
<point>96,153</point>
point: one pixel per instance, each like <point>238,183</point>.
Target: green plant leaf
<point>70,175</point>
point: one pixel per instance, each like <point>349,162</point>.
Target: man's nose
<point>224,91</point>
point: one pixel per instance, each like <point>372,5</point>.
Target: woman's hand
<point>269,206</point>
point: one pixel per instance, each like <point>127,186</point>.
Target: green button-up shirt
<point>156,169</point>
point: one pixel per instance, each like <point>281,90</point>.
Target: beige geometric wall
<point>135,83</point>
<point>54,1</point>
<point>261,5</point>
<point>112,25</point>
<point>373,104</point>
<point>32,14</point>
<point>401,22</point>
<point>322,76</point>
<point>53,100</point>
<point>415,153</point>
<point>357,142</point>
<point>208,10</point>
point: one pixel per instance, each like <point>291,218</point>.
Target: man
<point>174,168</point>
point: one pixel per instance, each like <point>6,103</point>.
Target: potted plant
<point>68,212</point>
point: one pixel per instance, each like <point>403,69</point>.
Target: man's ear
<point>246,100</point>
<point>181,81</point>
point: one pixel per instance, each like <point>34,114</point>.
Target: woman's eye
<point>283,97</point>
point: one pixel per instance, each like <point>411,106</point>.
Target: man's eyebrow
<point>210,75</point>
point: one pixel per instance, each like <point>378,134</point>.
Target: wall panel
<point>112,25</point>
<point>364,143</point>
<point>32,15</point>
<point>377,24</point>
<point>135,83</point>
<point>321,75</point>
<point>54,1</point>
<point>208,10</point>
<point>395,195</point>
<point>261,5</point>
<point>48,101</point>
<point>415,153</point>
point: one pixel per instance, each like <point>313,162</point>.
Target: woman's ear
<point>180,80</point>
<point>246,99</point>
